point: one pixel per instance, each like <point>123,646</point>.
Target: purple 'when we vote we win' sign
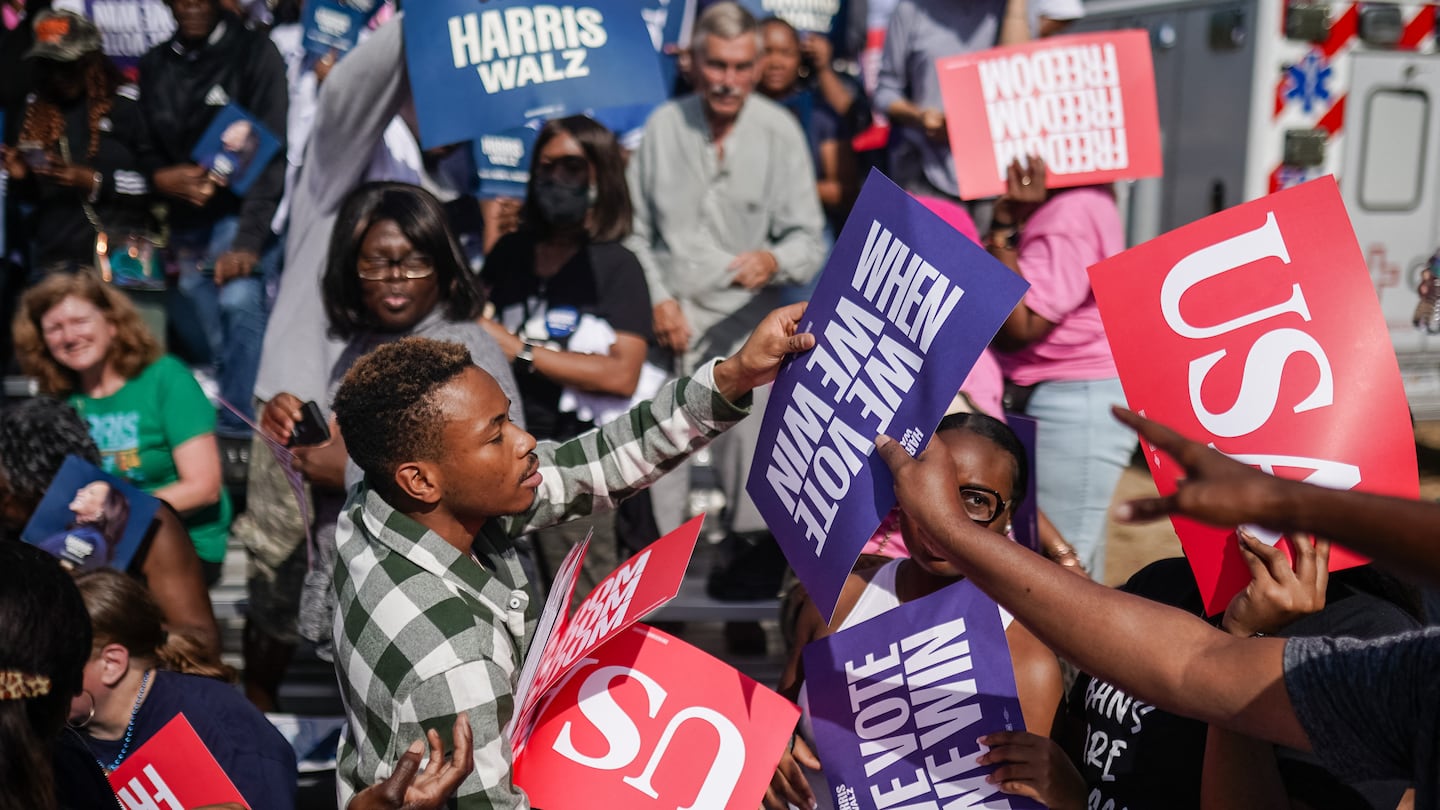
<point>903,309</point>
<point>897,703</point>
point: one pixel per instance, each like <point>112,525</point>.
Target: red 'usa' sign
<point>648,722</point>
<point>1084,103</point>
<point>1257,331</point>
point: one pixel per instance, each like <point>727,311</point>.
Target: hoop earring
<point>91,716</point>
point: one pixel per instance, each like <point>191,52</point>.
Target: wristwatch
<point>525,358</point>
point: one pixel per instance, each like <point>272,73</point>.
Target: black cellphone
<point>311,429</point>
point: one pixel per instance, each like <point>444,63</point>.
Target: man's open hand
<point>758,361</point>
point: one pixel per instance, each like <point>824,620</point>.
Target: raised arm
<point>601,467</point>
<point>1156,653</point>
<point>1223,492</point>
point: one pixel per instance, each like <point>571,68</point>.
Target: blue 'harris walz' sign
<point>902,311</point>
<point>481,67</point>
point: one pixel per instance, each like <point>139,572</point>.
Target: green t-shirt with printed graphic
<point>137,430</point>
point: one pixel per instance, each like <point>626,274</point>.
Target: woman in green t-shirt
<point>84,340</point>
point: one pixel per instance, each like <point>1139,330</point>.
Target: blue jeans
<point>1079,455</point>
<point>221,326</point>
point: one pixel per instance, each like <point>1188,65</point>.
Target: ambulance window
<point>1392,159</point>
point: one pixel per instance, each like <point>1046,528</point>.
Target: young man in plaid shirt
<point>434,615</point>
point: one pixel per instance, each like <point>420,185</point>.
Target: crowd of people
<point>461,389</point>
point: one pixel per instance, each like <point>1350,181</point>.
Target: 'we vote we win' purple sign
<point>897,703</point>
<point>902,311</point>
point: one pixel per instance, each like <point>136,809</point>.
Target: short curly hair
<point>386,405</point>
<point>35,437</point>
<point>133,349</point>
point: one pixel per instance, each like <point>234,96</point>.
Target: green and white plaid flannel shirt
<point>422,633</point>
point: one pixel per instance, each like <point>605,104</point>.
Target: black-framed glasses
<point>380,268</point>
<point>573,168</point>
<point>981,504</point>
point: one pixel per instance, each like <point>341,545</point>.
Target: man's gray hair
<point>726,20</point>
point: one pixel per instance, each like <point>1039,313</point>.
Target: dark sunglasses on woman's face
<point>573,168</point>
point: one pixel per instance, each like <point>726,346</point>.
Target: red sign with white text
<point>1257,330</point>
<point>1084,103</point>
<point>644,582</point>
<point>173,771</point>
<point>648,722</point>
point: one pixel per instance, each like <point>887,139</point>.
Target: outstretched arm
<point>1223,492</point>
<point>1156,653</point>
<point>601,467</point>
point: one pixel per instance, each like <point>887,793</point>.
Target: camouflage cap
<point>63,36</point>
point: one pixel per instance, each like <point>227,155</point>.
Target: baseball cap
<point>63,36</point>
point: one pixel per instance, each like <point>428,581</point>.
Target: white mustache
<point>724,90</point>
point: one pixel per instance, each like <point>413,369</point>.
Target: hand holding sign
<point>1280,591</point>
<point>898,701</point>
<point>790,786</point>
<point>1030,765</point>
<point>758,361</point>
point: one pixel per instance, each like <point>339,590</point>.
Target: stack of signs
<point>897,703</point>
<point>602,700</point>
<point>902,311</point>
<point>1084,103</point>
<point>508,62</point>
<point>175,770</point>
<point>90,519</point>
<point>1257,331</point>
<point>824,17</point>
<point>235,148</point>
<point>335,25</point>
<point>649,722</point>
<point>502,161</point>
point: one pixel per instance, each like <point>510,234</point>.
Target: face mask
<point>562,204</point>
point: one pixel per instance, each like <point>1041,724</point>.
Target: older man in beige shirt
<point>725,214</point>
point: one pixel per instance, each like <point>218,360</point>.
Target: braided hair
<point>43,122</point>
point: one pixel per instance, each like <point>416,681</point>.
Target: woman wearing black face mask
<point>572,309</point>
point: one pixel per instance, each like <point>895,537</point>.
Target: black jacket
<point>59,230</point>
<point>182,88</point>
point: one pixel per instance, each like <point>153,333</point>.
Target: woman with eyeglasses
<point>394,270</point>
<point>573,308</point>
<point>994,477</point>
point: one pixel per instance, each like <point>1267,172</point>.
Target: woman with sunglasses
<point>573,308</point>
<point>394,270</point>
<point>994,477</point>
